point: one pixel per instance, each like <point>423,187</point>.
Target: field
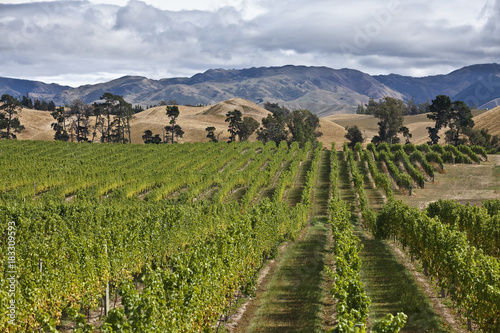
<point>247,237</point>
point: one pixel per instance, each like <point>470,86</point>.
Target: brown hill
<point>194,120</point>
<point>489,120</point>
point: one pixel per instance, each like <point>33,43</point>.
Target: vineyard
<point>178,232</point>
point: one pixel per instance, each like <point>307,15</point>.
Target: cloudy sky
<point>77,42</point>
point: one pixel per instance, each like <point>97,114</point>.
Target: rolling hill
<point>194,120</point>
<point>324,91</point>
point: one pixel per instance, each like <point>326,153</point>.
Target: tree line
<point>281,124</point>
<point>455,117</point>
<point>108,121</point>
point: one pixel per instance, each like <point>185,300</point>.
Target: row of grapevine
<point>357,178</point>
<point>311,176</point>
<point>402,179</point>
<point>287,177</point>
<point>481,228</point>
<point>469,276</point>
<point>348,290</point>
<point>381,180</point>
<point>70,240</point>
<point>264,177</point>
<point>417,156</point>
<point>202,253</point>
<point>414,173</point>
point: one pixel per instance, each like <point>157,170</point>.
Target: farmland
<point>178,234</point>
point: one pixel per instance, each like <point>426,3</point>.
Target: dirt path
<point>292,301</point>
<point>291,297</point>
<point>387,282</point>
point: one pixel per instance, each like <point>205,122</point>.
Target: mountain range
<point>322,90</point>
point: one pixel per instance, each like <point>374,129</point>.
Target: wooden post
<point>469,324</point>
<point>106,296</point>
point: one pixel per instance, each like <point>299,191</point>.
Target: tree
<point>27,102</point>
<point>361,109</point>
<point>303,126</point>
<point>113,117</point>
<point>123,114</point>
<point>406,133</point>
<point>211,134</point>
<point>354,136</point>
<point>439,112</point>
<point>460,119</point>
<point>247,127</point>
<point>456,116</point>
<point>482,137</point>
<point>81,114</point>
<point>172,132</point>
<point>59,126</point>
<point>390,112</point>
<point>175,130</point>
<point>149,138</point>
<point>234,120</point>
<point>411,107</point>
<point>273,129</point>
<point>8,117</point>
<point>282,125</point>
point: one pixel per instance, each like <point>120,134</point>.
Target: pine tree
<point>8,117</point>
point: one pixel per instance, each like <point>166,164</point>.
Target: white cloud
<point>75,41</point>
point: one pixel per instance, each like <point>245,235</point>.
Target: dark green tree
<point>273,129</point>
<point>234,120</point>
<point>150,139</point>
<point>27,102</point>
<point>113,117</point>
<point>59,126</point>
<point>482,137</point>
<point>51,106</point>
<point>105,111</point>
<point>460,119</point>
<point>361,109</point>
<point>173,130</point>
<point>123,112</point>
<point>303,126</point>
<point>390,113</point>
<point>439,112</point>
<point>247,127</point>
<point>406,133</point>
<point>354,136</point>
<point>211,134</point>
<point>8,117</point>
<point>80,113</point>
<point>457,116</point>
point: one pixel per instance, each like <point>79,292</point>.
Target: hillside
<point>489,120</point>
<point>322,90</point>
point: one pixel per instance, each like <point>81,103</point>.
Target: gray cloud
<point>78,41</point>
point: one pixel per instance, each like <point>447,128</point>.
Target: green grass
<point>393,289</point>
<point>322,189</point>
<point>294,195</point>
<point>293,300</point>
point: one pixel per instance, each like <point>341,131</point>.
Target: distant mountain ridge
<point>322,90</point>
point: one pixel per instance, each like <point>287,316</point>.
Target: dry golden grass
<point>489,120</point>
<point>194,120</point>
<point>36,125</point>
